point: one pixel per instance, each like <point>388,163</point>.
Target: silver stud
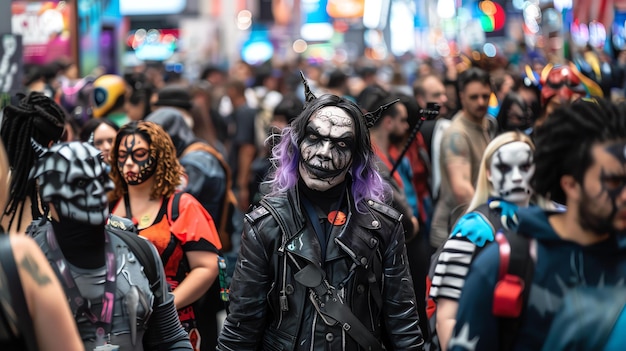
<point>370,202</point>
<point>375,224</point>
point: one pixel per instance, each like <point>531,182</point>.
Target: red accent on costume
<point>337,217</point>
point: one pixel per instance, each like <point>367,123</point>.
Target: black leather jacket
<point>269,310</point>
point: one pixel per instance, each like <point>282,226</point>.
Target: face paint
<point>136,149</point>
<point>510,172</point>
<point>326,151</point>
<point>612,185</point>
<point>72,176</point>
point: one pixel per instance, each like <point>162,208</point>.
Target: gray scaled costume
<point>142,314</point>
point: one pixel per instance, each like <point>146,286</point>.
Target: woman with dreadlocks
<point>38,117</point>
<point>322,264</point>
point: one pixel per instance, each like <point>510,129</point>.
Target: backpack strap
<point>491,216</point>
<point>173,212</point>
<point>515,276</point>
<point>140,247</point>
<point>18,300</point>
<point>173,207</point>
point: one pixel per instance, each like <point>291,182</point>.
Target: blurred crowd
<point>435,119</point>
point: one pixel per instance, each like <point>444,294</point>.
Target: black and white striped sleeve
<point>452,268</point>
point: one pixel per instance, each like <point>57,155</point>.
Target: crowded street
<point>312,175</point>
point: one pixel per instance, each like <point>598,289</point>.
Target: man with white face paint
<point>503,185</point>
<point>327,149</point>
<point>322,264</point>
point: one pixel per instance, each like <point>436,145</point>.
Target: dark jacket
<point>560,266</point>
<point>270,310</point>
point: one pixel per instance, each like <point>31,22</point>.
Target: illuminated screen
<point>151,7</point>
<point>44,27</point>
<point>153,44</point>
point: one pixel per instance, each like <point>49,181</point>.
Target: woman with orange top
<point>146,172</point>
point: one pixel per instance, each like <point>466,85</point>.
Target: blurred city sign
<point>153,44</point>
<point>346,8</point>
<point>151,7</point>
<point>258,48</point>
<point>491,15</point>
<point>316,24</point>
<point>45,29</point>
<point>375,14</point>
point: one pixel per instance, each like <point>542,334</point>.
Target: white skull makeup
<point>510,172</point>
<point>72,176</point>
<point>327,147</point>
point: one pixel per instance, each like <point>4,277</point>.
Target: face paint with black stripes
<point>612,183</point>
<point>327,148</point>
<point>73,177</point>
<point>511,170</point>
<point>136,148</point>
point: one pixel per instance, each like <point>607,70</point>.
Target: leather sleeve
<point>399,305</point>
<point>251,283</point>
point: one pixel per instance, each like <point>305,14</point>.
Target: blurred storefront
<point>112,34</point>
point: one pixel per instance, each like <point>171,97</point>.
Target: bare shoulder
<point>22,244</point>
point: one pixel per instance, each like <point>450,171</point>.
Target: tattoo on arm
<point>31,266</point>
<point>456,146</point>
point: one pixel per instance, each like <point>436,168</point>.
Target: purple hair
<point>366,182</point>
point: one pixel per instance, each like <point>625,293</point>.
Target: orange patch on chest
<point>337,218</point>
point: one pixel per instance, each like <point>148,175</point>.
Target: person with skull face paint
<point>503,185</point>
<point>580,161</point>
<point>322,264</point>
<point>114,304</point>
<point>146,176</point>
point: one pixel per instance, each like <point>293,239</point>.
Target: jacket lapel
<point>358,240</point>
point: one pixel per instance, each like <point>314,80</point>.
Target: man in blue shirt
<point>580,162</point>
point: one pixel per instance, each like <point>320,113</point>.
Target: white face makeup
<point>511,169</point>
<point>326,149</point>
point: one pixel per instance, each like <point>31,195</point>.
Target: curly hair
<point>563,143</point>
<point>366,181</point>
<point>168,169</point>
<point>35,116</point>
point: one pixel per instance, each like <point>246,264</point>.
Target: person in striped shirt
<point>503,185</point>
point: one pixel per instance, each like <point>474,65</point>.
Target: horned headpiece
<point>370,117</point>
